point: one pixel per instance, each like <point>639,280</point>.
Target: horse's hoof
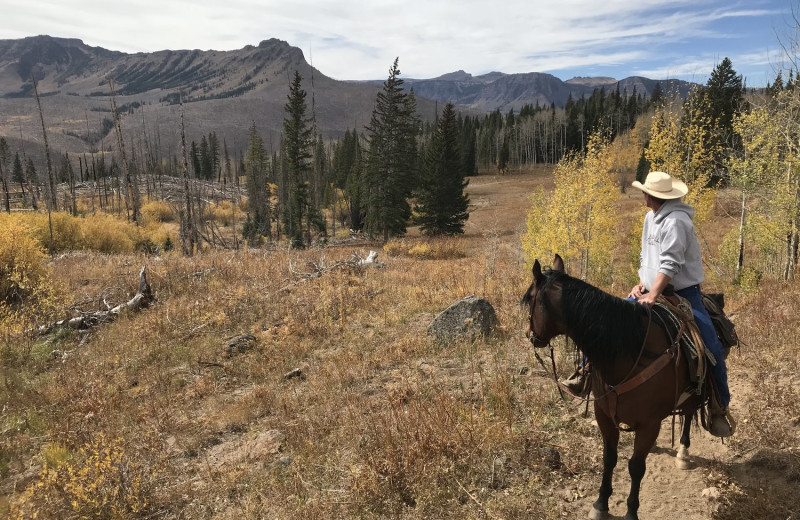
<point>596,514</point>
<point>682,460</point>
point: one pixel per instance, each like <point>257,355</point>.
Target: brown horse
<point>638,372</point>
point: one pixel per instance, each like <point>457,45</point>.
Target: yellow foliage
<point>395,247</point>
<point>434,249</point>
<point>99,232</point>
<point>157,211</point>
<point>27,290</point>
<point>22,262</point>
<point>223,213</point>
<point>106,234</point>
<point>101,481</point>
<point>577,220</point>
<point>685,150</point>
<point>421,250</point>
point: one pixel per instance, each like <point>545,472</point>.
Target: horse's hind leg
<point>642,444</point>
<point>610,443</point>
<point>682,460</point>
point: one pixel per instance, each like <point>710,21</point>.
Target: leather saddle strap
<point>648,372</point>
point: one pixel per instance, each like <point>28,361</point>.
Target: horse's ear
<point>558,264</point>
<point>537,271</point>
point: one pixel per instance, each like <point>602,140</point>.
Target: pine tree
<point>725,94</point>
<point>298,208</point>
<point>388,176</point>
<point>5,158</point>
<point>657,96</point>
<point>442,208</point>
<point>258,192</point>
<point>204,160</point>
<point>18,173</point>
<point>33,183</point>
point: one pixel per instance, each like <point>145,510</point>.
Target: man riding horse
<point>671,256</point>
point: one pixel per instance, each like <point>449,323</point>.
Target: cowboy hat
<point>661,186</point>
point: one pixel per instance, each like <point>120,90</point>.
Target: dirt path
<point>720,483</point>
<point>667,492</point>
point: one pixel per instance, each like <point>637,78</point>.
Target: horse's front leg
<point>642,444</point>
<point>610,442</point>
<point>682,460</point>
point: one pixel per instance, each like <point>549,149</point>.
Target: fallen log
<point>143,298</point>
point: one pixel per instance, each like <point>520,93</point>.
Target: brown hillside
<point>341,406</point>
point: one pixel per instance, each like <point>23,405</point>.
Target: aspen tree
<point>577,220</point>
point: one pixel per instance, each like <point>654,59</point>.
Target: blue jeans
<point>709,334</point>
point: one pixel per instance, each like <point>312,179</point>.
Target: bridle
<point>536,340</point>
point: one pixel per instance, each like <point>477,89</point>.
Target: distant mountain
<point>496,90</point>
<point>224,92</point>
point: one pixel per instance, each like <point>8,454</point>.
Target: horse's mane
<point>602,325</point>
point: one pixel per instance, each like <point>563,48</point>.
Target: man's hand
<point>648,299</point>
<point>637,292</point>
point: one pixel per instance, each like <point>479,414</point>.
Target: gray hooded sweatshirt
<point>670,246</point>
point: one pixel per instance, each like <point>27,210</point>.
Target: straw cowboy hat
<point>661,186</point>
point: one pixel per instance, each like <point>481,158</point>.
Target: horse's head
<point>542,299</point>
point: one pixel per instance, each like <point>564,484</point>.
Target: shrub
<point>22,262</point>
<point>421,250</point>
<point>157,211</point>
<point>395,248</point>
<point>101,481</point>
<point>106,234</point>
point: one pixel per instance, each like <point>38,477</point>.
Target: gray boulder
<point>467,318</point>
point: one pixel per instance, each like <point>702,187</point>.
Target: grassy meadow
<point>151,416</point>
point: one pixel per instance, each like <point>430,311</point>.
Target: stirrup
<point>577,385</point>
<point>722,424</point>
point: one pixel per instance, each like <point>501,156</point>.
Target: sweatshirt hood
<point>671,206</point>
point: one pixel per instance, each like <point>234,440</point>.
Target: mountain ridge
<point>225,91</point>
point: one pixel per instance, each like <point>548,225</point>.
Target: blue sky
<point>348,39</point>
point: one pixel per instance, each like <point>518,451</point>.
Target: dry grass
<point>384,421</point>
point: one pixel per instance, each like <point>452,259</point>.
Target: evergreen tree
<point>33,183</point>
<point>204,159</point>
<point>18,173</point>
<point>656,97</point>
<point>389,173</point>
<point>5,158</point>
<point>213,156</point>
<point>258,192</point>
<point>725,95</point>
<point>643,168</point>
<point>442,208</point>
<point>194,156</point>
<point>298,208</point>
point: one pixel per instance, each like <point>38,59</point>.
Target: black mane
<point>602,326</point>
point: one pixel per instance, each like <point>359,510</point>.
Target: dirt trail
<point>667,492</point>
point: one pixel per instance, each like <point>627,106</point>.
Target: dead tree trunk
<point>87,320</point>
<point>132,198</point>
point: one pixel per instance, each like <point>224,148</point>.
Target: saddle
<point>693,347</point>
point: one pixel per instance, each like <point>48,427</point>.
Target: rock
<point>550,457</point>
<point>239,344</point>
<point>258,448</point>
<point>468,318</point>
<point>296,373</point>
<point>711,493</point>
